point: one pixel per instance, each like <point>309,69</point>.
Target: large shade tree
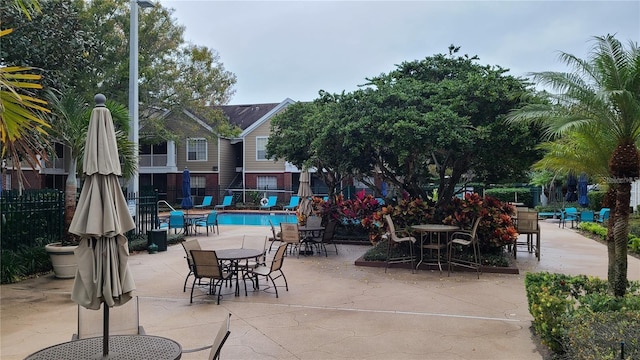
<point>84,46</point>
<point>437,120</point>
<point>604,91</point>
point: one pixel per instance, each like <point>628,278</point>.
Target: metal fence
<point>146,215</point>
<point>37,216</point>
<point>31,218</point>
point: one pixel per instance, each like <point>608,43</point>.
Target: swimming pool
<point>255,219</point>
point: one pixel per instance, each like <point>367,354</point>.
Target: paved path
<point>333,309</point>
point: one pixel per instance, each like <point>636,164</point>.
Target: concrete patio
<point>333,309</point>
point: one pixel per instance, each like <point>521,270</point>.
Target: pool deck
<point>333,309</point>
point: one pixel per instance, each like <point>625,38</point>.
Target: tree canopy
<point>84,46</point>
<point>437,120</point>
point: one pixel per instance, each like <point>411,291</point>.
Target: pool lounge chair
<point>271,202</point>
<point>293,203</point>
<point>225,202</point>
<point>206,202</point>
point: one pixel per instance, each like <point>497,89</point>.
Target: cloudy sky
<point>293,49</point>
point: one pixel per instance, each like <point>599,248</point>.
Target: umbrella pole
<point>105,331</point>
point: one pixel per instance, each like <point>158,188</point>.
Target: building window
<point>267,182</point>
<point>261,148</point>
<point>198,184</point>
<point>196,150</point>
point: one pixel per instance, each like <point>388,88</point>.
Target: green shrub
<point>17,264</point>
<point>593,228</point>
<point>601,231</point>
<point>597,336</point>
<point>11,267</point>
<point>524,195</point>
<point>595,199</point>
<point>554,300</point>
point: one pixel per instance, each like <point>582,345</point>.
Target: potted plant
<point>69,123</point>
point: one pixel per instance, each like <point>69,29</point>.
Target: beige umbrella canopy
<point>101,220</point>
<point>304,192</point>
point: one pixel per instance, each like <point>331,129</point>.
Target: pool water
<point>255,219</point>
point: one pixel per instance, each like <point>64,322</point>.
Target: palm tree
<point>70,121</point>
<point>22,115</point>
<point>602,91</point>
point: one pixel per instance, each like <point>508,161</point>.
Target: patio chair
<point>177,221</point>
<point>218,341</point>
<point>257,243</point>
<point>528,225</point>
<point>328,236</point>
<point>221,338</point>
<point>188,246</point>
<point>225,202</point>
<point>210,221</point>
<point>461,239</point>
<point>275,237</point>
<point>206,265</point>
<point>314,238</point>
<point>269,271</point>
<point>290,235</point>
<point>293,203</point>
<point>123,320</point>
<point>398,237</point>
<point>603,215</point>
<point>587,216</point>
<point>314,220</point>
<point>570,214</point>
<point>271,202</point>
<point>206,202</point>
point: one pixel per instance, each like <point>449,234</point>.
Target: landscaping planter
<point>485,269</point>
<point>63,260</point>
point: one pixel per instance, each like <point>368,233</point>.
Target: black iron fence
<point>146,214</point>
<point>30,218</point>
<point>36,217</point>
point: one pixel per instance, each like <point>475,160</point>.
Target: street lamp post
<point>134,185</point>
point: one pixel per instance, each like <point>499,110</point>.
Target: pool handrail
<point>166,203</point>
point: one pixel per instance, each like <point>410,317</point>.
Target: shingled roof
<point>245,115</point>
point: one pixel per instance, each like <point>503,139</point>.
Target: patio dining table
<point>190,222</point>
<point>235,256</point>
<point>427,231</point>
<point>121,347</point>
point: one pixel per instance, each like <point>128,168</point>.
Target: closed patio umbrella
<point>305,193</point>
<point>187,202</point>
<point>101,220</point>
<point>583,200</point>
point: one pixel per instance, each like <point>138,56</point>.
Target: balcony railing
<point>153,160</point>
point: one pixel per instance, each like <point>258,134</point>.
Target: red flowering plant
<point>496,229</point>
<point>406,213</point>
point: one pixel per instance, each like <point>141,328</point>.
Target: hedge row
<point>574,316</point>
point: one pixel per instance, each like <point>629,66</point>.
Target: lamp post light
<point>134,185</point>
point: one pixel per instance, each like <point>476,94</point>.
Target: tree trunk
<point>610,202</point>
<point>620,242</point>
<point>70,191</point>
<point>624,166</point>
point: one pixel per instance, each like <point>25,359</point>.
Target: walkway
<point>333,310</point>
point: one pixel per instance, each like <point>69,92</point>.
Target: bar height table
<point>429,229</point>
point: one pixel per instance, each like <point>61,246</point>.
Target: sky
<point>293,49</point>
